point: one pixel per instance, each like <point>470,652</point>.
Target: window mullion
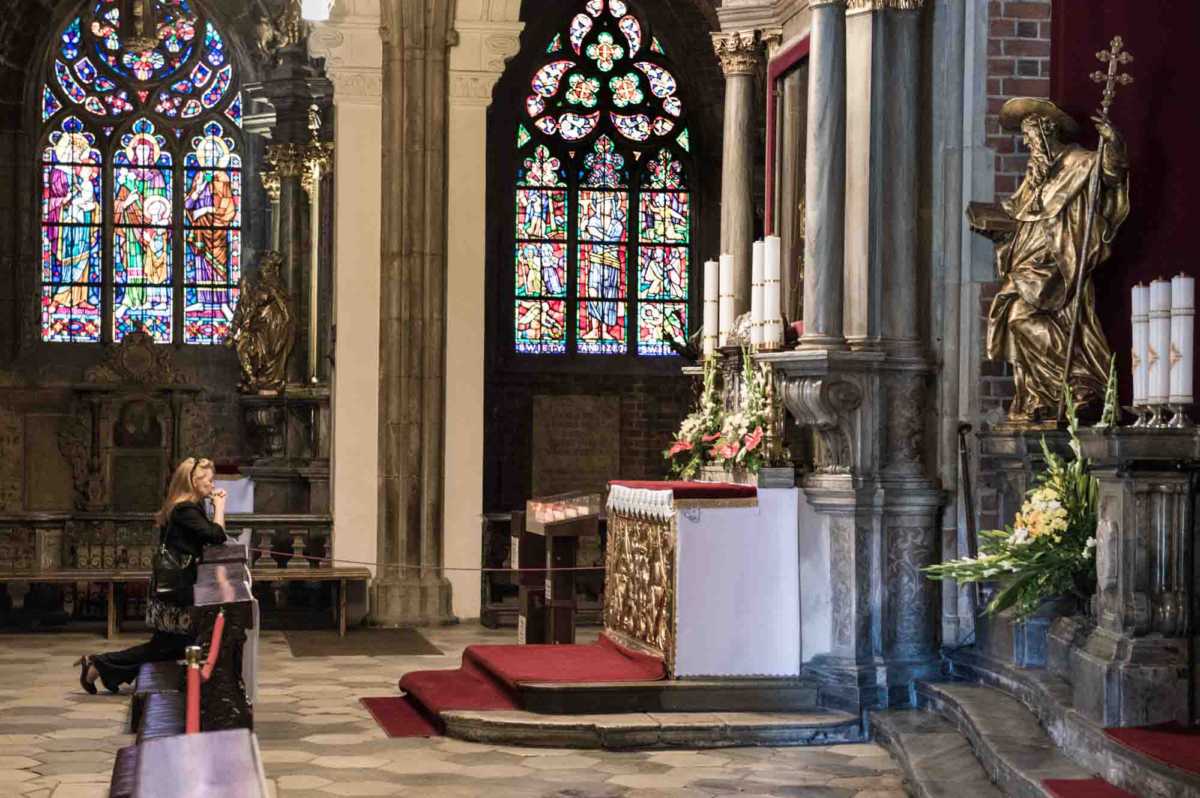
<point>107,236</point>
<point>572,315</point>
<point>178,289</point>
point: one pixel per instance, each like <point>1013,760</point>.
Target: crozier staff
<point>184,530</point>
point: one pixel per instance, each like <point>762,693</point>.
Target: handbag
<point>172,572</point>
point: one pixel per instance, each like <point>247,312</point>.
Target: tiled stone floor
<point>318,741</point>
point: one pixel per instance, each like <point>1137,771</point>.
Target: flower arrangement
<point>699,431</point>
<point>1050,547</point>
<point>741,442</point>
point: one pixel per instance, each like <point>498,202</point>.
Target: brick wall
<point>1018,66</point>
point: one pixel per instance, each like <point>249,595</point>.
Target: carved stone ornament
<point>740,52</point>
<point>285,160</point>
<point>905,423</point>
<point>273,34</point>
<point>825,404</point>
<point>137,359</point>
<point>75,443</point>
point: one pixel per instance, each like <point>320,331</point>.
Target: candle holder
<point>1180,419</point>
<point>1156,417</point>
<point>1141,412</point>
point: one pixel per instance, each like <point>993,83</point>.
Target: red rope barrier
<point>197,675</point>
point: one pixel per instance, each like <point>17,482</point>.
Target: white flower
<point>1019,536</point>
<point>1088,546</point>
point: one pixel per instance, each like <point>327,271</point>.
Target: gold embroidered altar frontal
<point>639,593</point>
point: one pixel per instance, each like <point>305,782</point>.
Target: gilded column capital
<point>270,184</point>
<point>740,52</point>
<point>853,6</point>
<point>286,160</point>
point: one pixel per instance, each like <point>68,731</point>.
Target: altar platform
<point>701,641</point>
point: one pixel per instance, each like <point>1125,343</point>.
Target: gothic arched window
<point>140,176</point>
<point>603,212</point>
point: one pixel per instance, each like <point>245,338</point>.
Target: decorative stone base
<point>1120,681</point>
<point>849,687</point>
<point>410,602</point>
<point>655,730</point>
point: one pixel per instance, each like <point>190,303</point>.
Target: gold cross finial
<point>1114,56</point>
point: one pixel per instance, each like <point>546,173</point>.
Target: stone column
<point>740,53</point>
<point>353,51</point>
<point>883,48</point>
<point>488,35</point>
<point>416,37</point>
<point>825,179</point>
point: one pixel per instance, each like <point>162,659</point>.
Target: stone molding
<point>857,6</point>
<point>740,52</point>
<point>352,47</point>
<point>822,3</point>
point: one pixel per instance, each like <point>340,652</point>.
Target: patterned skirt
<point>165,617</point>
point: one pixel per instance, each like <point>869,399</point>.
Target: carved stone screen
<point>576,443</point>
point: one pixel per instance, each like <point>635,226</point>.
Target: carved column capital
<point>826,404</point>
<point>740,52</point>
<point>286,160</point>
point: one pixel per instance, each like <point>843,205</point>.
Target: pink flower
<point>728,451</point>
<point>679,446</point>
<point>754,439</point>
<point>711,438</point>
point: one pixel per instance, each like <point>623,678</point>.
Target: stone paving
<point>318,741</point>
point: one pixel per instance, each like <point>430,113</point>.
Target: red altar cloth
<point>694,490</point>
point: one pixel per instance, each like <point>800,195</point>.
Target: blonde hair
<point>181,488</point>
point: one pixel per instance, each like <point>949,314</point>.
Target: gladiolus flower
<point>754,439</point>
<point>711,438</point>
<point>679,446</point>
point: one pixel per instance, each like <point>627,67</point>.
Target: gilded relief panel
<point>639,596</point>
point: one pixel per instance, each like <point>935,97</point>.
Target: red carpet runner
<point>1178,746</point>
<point>400,717</point>
<point>490,676</point>
<point>1084,788</point>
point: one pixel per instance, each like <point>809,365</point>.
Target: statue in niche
<point>263,329</point>
<point>1039,232</point>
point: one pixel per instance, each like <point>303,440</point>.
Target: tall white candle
<point>712,293</point>
<point>772,271</point>
<point>1141,342</point>
<point>1183,343</point>
<point>1158,387</point>
<point>756,294</point>
<point>725,309</point>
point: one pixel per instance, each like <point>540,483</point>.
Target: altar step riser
<point>732,695</point>
<point>650,731</point>
<point>938,761</point>
<point>1048,698</point>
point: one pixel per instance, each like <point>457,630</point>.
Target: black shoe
<point>84,663</point>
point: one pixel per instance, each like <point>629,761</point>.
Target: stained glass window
<point>603,227</point>
<point>141,179</point>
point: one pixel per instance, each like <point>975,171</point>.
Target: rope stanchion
<point>403,567</point>
<point>196,675</point>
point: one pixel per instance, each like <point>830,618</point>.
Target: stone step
<point>1009,742</point>
<point>654,730</point>
<point>938,761</point>
<point>1048,697</point>
<point>669,695</point>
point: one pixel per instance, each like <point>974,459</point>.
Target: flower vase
<point>718,472</point>
<point>1030,636</point>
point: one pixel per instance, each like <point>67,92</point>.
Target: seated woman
<point>184,528</point>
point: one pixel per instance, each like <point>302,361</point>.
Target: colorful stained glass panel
<point>663,273</point>
<point>71,314</point>
<point>581,25</point>
<point>546,81</point>
<point>541,327</point>
<point>212,256</point>
<point>71,194</point>
<point>541,214</point>
<point>635,127</point>
<point>633,34</point>
<point>573,127</point>
<point>50,104</point>
<point>207,314</point>
<point>71,255</point>
<point>658,321</point>
<point>603,216</point>
<point>604,167</point>
<point>144,306</point>
<point>664,217</point>
<point>602,273</point>
<point>541,169</point>
<point>212,198</point>
<point>70,41</point>
<point>601,328</point>
<point>541,269</point>
<point>662,82</point>
<point>142,255</point>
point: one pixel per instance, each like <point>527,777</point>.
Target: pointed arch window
<point>603,204</point>
<point>140,179</point>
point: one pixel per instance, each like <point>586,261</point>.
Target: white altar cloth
<point>738,589</point>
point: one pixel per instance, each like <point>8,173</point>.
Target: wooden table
<point>562,520</point>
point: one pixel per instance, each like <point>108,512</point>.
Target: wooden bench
<point>342,576</point>
<point>110,579</point>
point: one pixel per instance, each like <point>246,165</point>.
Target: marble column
<point>825,179</point>
<point>883,45</point>
<point>352,48</point>
<point>412,588</point>
<point>740,54</point>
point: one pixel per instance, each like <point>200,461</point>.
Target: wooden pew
<point>224,764</point>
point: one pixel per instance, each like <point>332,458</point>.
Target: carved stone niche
<point>128,428</point>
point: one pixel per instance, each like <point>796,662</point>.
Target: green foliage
<point>1049,549</point>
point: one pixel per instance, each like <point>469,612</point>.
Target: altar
<point>705,575</point>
